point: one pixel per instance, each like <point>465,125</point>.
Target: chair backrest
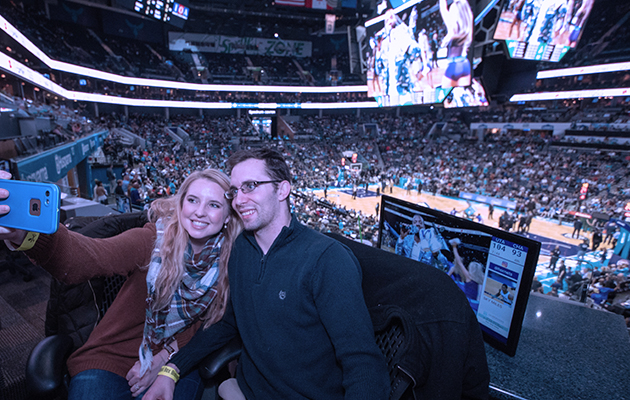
<point>391,341</point>
<point>76,309</point>
<point>111,287</point>
<point>424,325</point>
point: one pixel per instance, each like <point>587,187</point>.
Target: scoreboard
<point>163,10</point>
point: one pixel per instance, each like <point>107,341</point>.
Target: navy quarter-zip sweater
<point>301,314</point>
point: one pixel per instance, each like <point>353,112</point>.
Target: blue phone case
<point>34,206</point>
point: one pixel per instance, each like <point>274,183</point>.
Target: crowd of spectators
<point>90,48</point>
<point>518,166</point>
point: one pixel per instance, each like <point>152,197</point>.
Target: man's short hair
<point>275,163</point>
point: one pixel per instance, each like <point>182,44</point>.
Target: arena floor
<point>367,205</point>
<point>548,232</point>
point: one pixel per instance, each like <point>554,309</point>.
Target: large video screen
<point>469,96</point>
<point>419,51</point>
<point>493,268</point>
<point>542,29</point>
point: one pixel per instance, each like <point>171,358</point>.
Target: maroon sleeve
<point>74,258</point>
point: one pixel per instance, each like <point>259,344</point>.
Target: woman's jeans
<point>98,384</point>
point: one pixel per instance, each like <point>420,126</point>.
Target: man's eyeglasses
<point>245,188</point>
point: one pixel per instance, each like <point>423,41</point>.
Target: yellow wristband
<point>170,372</point>
<point>29,241</point>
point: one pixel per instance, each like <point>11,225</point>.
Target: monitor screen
<point>542,29</point>
<point>493,268</point>
<point>469,96</point>
<point>419,51</point>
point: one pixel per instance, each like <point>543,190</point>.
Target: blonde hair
<point>477,271</point>
<point>460,23</point>
<point>176,240</point>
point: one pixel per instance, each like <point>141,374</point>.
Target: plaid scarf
<point>190,300</point>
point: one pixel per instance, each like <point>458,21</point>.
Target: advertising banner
<point>202,43</point>
<point>52,165</point>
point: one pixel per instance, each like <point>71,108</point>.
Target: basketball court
<point>548,232</point>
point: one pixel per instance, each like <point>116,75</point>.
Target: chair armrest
<point>46,366</point>
<point>216,361</point>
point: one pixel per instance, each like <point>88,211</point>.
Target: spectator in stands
<point>536,285</point>
<point>119,188</point>
<point>568,274</point>
<point>186,249</point>
<point>574,281</point>
<point>111,176</point>
<point>100,194</point>
<point>134,193</point>
<point>621,283</point>
<point>558,283</point>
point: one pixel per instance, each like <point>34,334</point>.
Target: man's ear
<point>284,190</point>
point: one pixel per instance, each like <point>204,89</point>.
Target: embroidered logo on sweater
<point>282,295</point>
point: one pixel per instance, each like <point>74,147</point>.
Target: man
<point>537,285</point>
<point>582,249</point>
<point>577,227</point>
<point>427,242</point>
<point>597,239</point>
<point>573,281</point>
<point>119,188</point>
<point>296,299</point>
<point>555,256</point>
<point>505,295</point>
<point>111,177</point>
<point>610,230</point>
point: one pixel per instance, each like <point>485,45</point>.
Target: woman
<point>471,278</point>
<point>100,194</point>
<point>186,248</point>
<point>459,24</point>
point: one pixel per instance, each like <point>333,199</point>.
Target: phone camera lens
<point>47,202</point>
<point>47,193</point>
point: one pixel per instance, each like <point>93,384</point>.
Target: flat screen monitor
<point>418,51</point>
<point>543,30</point>
<point>469,96</point>
<point>494,268</point>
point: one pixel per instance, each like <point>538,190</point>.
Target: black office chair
<point>409,322</point>
<point>46,372</point>
<point>412,305</point>
<point>47,376</point>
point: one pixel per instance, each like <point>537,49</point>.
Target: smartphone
<point>34,206</point>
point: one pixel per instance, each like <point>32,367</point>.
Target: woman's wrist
<point>171,349</point>
<point>170,371</point>
<point>17,239</point>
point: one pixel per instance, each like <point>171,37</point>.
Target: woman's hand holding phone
<point>15,236</point>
